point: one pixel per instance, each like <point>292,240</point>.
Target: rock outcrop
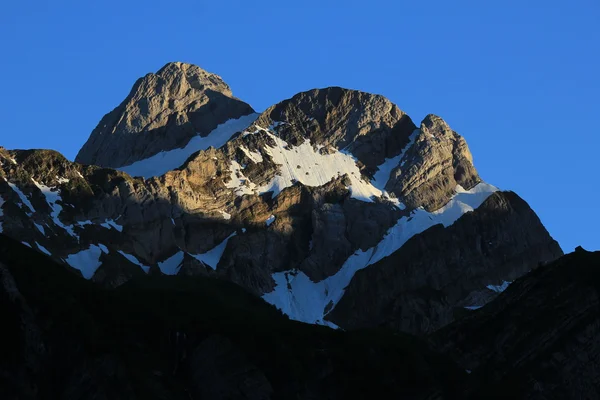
<point>431,168</point>
<point>369,126</point>
<point>163,111</point>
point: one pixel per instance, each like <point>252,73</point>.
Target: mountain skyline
<point>521,91</point>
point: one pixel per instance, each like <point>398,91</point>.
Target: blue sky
<point>519,80</point>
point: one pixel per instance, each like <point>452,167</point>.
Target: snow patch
<point>165,161</point>
<point>238,181</point>
<point>109,223</point>
<point>499,288</point>
<point>132,259</point>
<point>270,220</point>
<point>172,264</point>
<point>225,215</point>
<point>254,156</point>
<point>87,261</point>
<point>303,164</point>
<point>40,228</point>
<point>213,256</point>
<point>43,249</point>
<point>304,300</point>
<point>24,200</point>
<point>27,244</point>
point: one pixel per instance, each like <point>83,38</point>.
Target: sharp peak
<point>180,65</point>
<point>433,119</point>
<point>187,69</point>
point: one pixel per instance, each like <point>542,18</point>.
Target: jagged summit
<point>163,111</point>
<point>368,125</point>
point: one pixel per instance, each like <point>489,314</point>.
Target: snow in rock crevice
<point>213,256</point>
<point>132,259</point>
<point>307,300</point>
<point>499,288</point>
<point>111,224</point>
<point>43,249</point>
<point>172,264</point>
<point>24,200</point>
<point>382,176</point>
<point>270,220</point>
<point>40,228</point>
<point>166,161</point>
<point>52,198</point>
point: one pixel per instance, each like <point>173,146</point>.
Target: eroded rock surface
<point>163,111</point>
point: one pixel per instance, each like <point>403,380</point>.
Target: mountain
<point>331,205</point>
<point>172,337</point>
<point>163,111</point>
<point>538,339</point>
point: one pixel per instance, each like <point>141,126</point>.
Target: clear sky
<point>518,79</point>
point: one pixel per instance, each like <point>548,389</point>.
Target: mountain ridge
<point>291,204</point>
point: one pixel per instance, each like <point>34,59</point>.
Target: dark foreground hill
<point>173,337</point>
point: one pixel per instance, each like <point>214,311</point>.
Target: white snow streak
<point>132,259</point>
<point>52,197</point>
<point>213,256</point>
<point>43,249</point>
<point>24,199</point>
<point>382,176</point>
<point>307,300</point>
<point>40,228</point>
<point>109,223</point>
<point>165,161</point>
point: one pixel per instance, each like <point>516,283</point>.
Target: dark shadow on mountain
<point>538,339</point>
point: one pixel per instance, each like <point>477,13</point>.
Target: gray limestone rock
<point>163,111</point>
<point>430,170</point>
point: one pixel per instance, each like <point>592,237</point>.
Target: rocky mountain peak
<point>163,111</point>
<point>187,77</point>
<point>290,204</point>
<point>368,125</point>
<point>433,166</point>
